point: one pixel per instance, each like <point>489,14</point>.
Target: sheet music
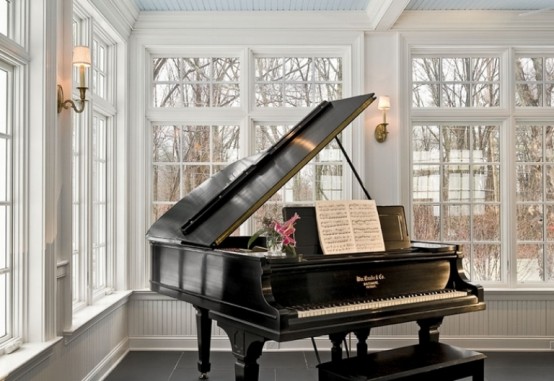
<point>350,226</point>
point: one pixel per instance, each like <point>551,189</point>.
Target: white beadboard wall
<point>510,322</point>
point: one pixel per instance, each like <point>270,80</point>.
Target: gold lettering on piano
<point>370,281</point>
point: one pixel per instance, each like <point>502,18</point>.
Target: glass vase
<point>275,246</point>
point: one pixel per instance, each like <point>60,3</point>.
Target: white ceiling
<point>338,5</point>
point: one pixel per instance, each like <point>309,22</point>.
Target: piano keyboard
<point>311,311</point>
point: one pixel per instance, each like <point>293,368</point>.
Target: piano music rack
<point>421,362</point>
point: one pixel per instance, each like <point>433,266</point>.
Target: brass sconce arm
<point>66,104</point>
<point>81,59</point>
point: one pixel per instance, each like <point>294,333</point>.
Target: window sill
<point>29,355</point>
<point>90,315</point>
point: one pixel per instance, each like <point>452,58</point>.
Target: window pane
<point>485,265</point>
<point>529,268</point>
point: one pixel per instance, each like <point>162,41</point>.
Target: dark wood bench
<point>421,362</point>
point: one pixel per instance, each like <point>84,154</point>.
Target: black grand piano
<point>255,298</point>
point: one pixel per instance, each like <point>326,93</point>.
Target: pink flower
<point>286,230</point>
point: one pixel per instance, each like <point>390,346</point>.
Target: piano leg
<point>429,330</point>
<point>336,349</point>
<point>247,348</point>
<point>361,346</point>
<point>204,335</point>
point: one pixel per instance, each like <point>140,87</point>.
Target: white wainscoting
<point>88,356</point>
<point>516,320</point>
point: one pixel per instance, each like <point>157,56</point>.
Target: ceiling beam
<point>383,14</point>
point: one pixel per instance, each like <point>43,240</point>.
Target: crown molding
<point>354,20</point>
<point>475,20</point>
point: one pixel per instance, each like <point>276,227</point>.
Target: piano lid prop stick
<point>352,167</point>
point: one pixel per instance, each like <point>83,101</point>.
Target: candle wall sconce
<point>381,129</point>
<point>81,58</point>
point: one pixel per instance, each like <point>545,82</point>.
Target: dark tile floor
<point>301,366</point>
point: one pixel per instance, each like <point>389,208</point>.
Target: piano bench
<point>421,362</point>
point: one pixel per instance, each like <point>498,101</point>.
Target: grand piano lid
<point>216,208</point>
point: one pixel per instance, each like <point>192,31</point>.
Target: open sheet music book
<point>350,226</point>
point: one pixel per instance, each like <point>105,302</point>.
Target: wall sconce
<point>81,58</point>
<point>381,129</point>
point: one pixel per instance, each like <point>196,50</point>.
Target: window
<point>93,171</point>
<point>185,154</point>
<point>462,190</point>
<point>6,222</point>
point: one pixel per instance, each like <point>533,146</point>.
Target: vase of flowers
<point>279,236</point>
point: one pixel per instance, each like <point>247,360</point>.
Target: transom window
<point>534,81</point>
<point>297,81</point>
<point>196,82</point>
<point>454,82</point>
<point>99,67</point>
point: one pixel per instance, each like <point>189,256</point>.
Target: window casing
<point>261,105</point>
<point>479,159</point>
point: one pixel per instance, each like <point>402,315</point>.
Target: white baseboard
<point>102,369</point>
<point>221,343</point>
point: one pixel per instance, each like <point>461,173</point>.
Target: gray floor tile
<point>302,366</point>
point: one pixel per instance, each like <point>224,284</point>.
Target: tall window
<point>461,191</point>
<point>185,154</point>
<point>93,243</point>
<point>6,223</point>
